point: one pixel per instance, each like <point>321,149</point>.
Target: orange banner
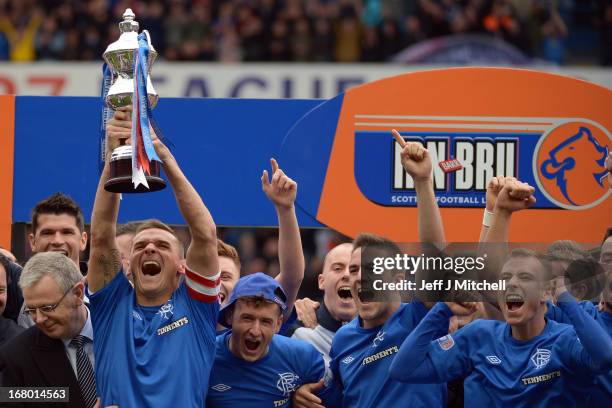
<point>7,144</point>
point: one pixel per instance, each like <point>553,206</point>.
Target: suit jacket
<point>33,359</point>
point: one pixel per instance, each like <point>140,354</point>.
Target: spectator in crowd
<point>124,236</point>
<point>8,254</point>
<point>14,297</point>
<point>8,328</point>
<point>338,306</point>
<point>288,30</point>
<point>58,350</point>
<point>57,226</point>
<point>250,357</point>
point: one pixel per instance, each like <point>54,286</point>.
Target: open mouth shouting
<point>150,268</point>
<point>344,293</point>
<point>514,302</point>
<point>251,346</point>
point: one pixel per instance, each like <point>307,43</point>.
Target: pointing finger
<point>274,165</point>
<point>398,138</point>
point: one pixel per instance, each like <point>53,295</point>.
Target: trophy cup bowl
<point>120,57</point>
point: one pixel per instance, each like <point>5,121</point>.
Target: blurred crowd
<point>300,30</point>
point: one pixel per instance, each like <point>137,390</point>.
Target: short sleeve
<point>103,304</point>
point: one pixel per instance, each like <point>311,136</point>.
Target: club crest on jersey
<point>166,311</point>
<point>288,382</point>
<point>569,164</point>
<point>446,342</point>
<point>380,336</point>
<point>540,358</point>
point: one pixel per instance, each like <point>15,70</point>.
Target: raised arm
<point>593,338</point>
<point>494,186</point>
<point>417,162</point>
<point>413,363</point>
<point>282,192</point>
<point>202,252</point>
<point>514,196</point>
<point>104,256</point>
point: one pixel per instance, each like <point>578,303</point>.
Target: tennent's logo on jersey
<point>569,164</point>
<point>540,358</point>
<point>446,342</point>
<point>380,336</point>
<point>288,382</point>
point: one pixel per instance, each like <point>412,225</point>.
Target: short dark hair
<point>127,228</point>
<point>566,250</point>
<point>370,241</point>
<point>528,253</point>
<point>58,204</point>
<point>157,224</point>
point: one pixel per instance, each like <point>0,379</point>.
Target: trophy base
<point>120,180</point>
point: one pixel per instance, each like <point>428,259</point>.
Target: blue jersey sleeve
<point>103,304</point>
<point>593,353</point>
<point>332,392</point>
<point>312,366</point>
<point>413,362</point>
<point>557,314</point>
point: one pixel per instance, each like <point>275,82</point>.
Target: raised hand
<point>515,196</point>
<point>282,190</point>
<point>305,396</point>
<point>415,158</point>
<point>494,186</point>
<point>306,310</point>
<point>119,129</point>
<point>461,308</point>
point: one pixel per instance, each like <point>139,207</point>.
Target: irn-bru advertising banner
<point>548,130</point>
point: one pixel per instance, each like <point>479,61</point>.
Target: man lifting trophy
<point>134,166</point>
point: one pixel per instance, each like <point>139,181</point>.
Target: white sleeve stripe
<point>201,288</point>
<point>210,278</point>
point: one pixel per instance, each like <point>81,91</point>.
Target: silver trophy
<point>120,57</point>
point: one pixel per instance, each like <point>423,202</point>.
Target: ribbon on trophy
<point>143,151</point>
<point>107,113</point>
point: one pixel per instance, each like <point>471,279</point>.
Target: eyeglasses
<point>48,308</point>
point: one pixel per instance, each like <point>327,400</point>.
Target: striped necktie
<point>85,373</point>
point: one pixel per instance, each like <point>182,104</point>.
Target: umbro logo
<point>494,360</point>
<point>348,360</point>
<point>221,387</point>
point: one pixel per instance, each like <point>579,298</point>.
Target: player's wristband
<point>486,218</point>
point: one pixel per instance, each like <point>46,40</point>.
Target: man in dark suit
<point>58,350</point>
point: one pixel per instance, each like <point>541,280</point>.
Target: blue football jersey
<point>550,370</point>
<point>267,382</point>
<point>555,313</point>
<point>153,356</point>
<point>602,393</point>
<point>361,359</point>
